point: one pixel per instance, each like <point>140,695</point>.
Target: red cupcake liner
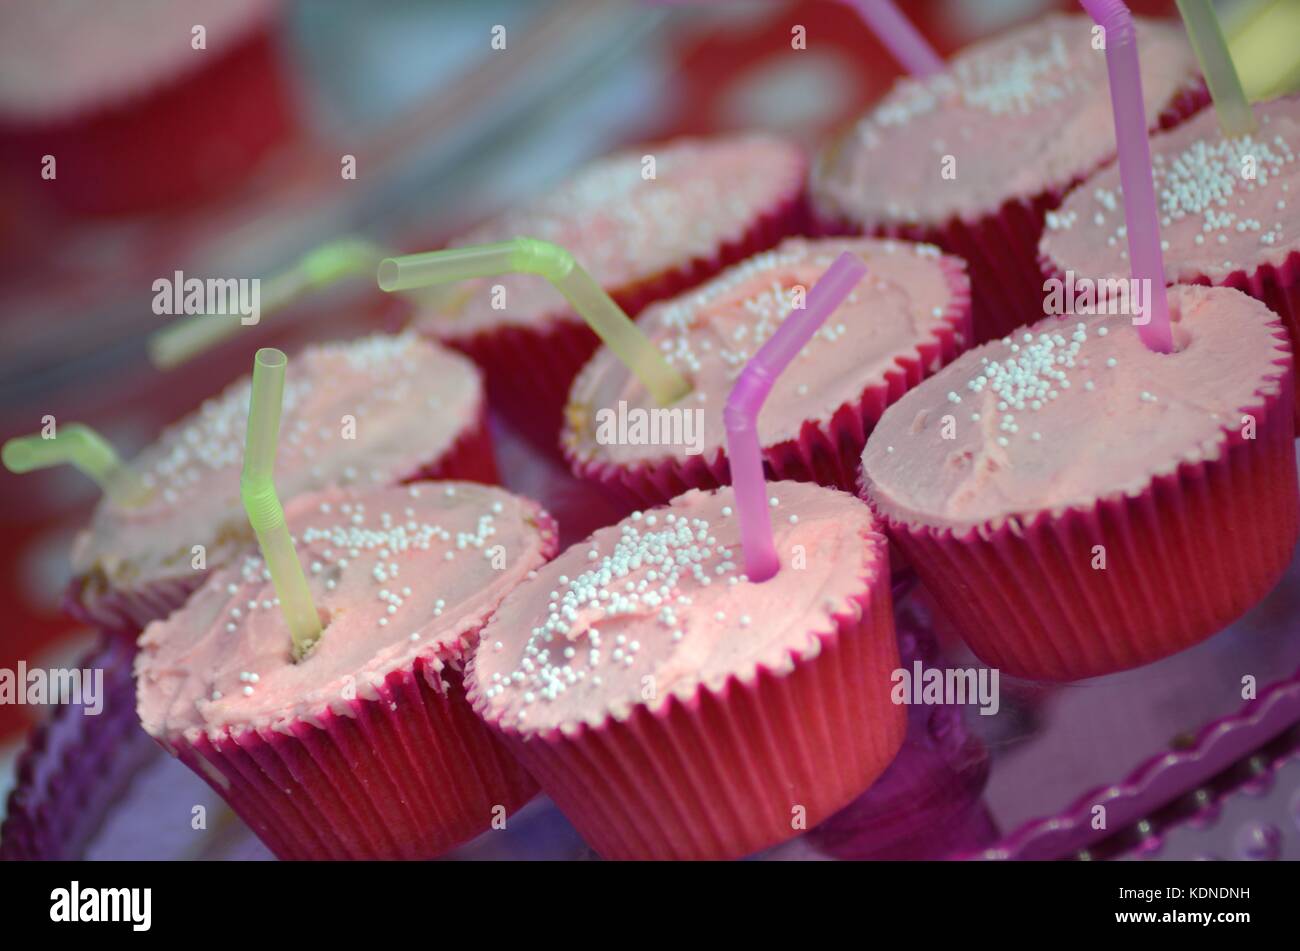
<point>213,126</point>
<point>529,369</point>
<point>722,775</point>
<point>1184,558</point>
<point>1001,248</point>
<point>409,774</point>
<point>1276,287</point>
<point>828,453</point>
<point>125,612</point>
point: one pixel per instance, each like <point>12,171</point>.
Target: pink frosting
<point>626,229</point>
<point>411,399</point>
<point>1073,410</point>
<point>401,573</point>
<point>711,332</point>
<point>1214,220</point>
<point>58,55</point>
<point>1021,114</point>
<point>657,606</point>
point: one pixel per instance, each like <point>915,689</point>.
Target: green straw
<point>531,256</point>
<point>1262,36</point>
<point>1230,102</point>
<point>84,448</point>
<point>257,488</point>
<point>319,268</point>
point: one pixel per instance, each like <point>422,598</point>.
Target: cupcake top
<point>59,56</point>
<point>399,573</point>
<point>626,227</point>
<point>1214,220</point>
<point>1073,410</point>
<point>912,297</point>
<point>658,605</point>
<point>370,412</point>
<point>1025,112</point>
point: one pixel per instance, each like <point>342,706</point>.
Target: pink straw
<point>903,40</point>
<point>1135,168</point>
<point>746,399</point>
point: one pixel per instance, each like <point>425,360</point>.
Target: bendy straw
<point>588,298</point>
<point>746,399</point>
<point>79,445</point>
<point>1135,168</point>
<point>257,488</point>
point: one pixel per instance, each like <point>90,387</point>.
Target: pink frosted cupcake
<point>909,317</point>
<point>365,748</point>
<point>673,709</point>
<point>710,202</point>
<point>1218,226</point>
<point>135,116</point>
<point>374,411</point>
<point>1078,504</point>
<point>973,158</point>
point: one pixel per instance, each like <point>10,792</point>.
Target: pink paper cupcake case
<point>1184,558</point>
<point>529,368</point>
<point>409,774</point>
<point>721,775</point>
<point>124,612</point>
<point>828,453</point>
<point>1276,287</point>
<point>1001,247</point>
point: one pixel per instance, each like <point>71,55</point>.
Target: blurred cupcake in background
<point>140,104</point>
<point>973,158</point>
<point>646,223</point>
<point>1229,214</point>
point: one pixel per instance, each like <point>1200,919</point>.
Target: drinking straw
<point>1230,103</point>
<point>1261,36</point>
<point>1143,225</point>
<point>318,268</point>
<point>903,40</point>
<point>84,448</point>
<point>531,256</point>
<point>257,488</point>
<point>746,399</point>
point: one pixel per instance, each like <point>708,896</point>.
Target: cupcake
<point>374,411</point>
<point>1229,207</point>
<point>646,224</point>
<point>973,158</point>
<point>366,748</point>
<point>112,88</point>
<point>1078,504</point>
<point>673,709</point>
<point>908,317</point>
